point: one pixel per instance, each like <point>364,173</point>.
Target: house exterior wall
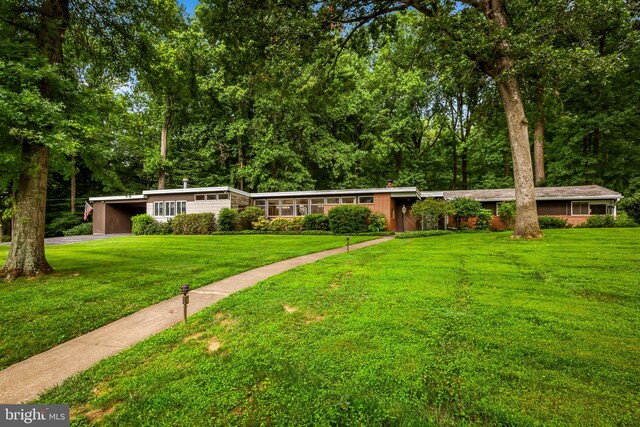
<point>193,206</point>
<point>99,218</point>
<point>239,201</point>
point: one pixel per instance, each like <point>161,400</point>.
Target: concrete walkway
<point>25,380</point>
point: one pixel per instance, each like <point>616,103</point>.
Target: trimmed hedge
<point>599,221</point>
<point>425,233</point>
<point>377,222</point>
<point>80,230</point>
<point>547,222</point>
<point>191,224</point>
<point>349,219</point>
<point>249,215</point>
<point>228,219</point>
<point>140,222</point>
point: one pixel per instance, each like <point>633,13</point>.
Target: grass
<point>100,281</point>
<point>460,329</point>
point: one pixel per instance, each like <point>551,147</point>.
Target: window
<point>170,208</point>
<point>212,197</point>
<point>317,205</point>
<point>365,199</point>
<point>302,207</point>
<point>199,197</point>
<point>348,200</point>
<point>223,196</point>
<point>286,207</point>
<point>181,207</point>
<point>598,209</point>
<point>333,200</point>
<point>579,208</point>
<point>273,208</point>
<point>158,208</point>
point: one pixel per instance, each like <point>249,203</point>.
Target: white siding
<point>207,206</point>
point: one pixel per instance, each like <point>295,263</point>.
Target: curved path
<point>25,380</point>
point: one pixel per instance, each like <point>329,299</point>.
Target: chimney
<point>389,184</point>
<point>185,182</point>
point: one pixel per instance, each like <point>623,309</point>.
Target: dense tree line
<point>270,95</point>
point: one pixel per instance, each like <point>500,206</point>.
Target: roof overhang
<point>195,190</point>
<point>136,197</point>
<point>393,191</point>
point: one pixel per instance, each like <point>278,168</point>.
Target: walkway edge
<point>24,381</point>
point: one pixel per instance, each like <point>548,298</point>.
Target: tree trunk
<point>454,158</point>
<point>164,142</point>
<point>538,138</point>
<point>526,211</point>
<point>73,185</point>
<point>465,167</point>
<point>26,255</point>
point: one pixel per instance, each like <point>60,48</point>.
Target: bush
<point>249,215</point>
<point>61,223</point>
<point>429,211</point>
<point>425,233</point>
<point>631,205</point>
<point>315,222</point>
<point>547,222</point>
<point>484,219</point>
<point>279,224</point>
<point>599,221</point>
<point>139,223</point>
<point>228,219</point>
<point>349,219</point>
<point>623,220</point>
<point>377,222</point>
<point>465,208</point>
<point>262,224</point>
<point>201,223</point>
<point>157,227</point>
<point>80,230</point>
<point>296,224</point>
<point>507,213</point>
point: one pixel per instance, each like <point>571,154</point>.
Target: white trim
<point>315,193</point>
<point>117,198</point>
<point>196,190</point>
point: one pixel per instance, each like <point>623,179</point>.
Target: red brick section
<point>385,205</point>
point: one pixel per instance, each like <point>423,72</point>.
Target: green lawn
<point>458,329</point>
<point>100,281</point>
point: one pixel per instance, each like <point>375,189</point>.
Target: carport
<point>113,214</point>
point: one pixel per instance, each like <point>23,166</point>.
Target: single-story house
<point>112,214</point>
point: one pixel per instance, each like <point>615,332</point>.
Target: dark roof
<point>581,192</point>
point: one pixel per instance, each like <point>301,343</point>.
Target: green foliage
<point>484,219</point>
<point>296,224</point>
<point>348,219</point>
<point>631,205</point>
<point>464,208</point>
<point>228,219</point>
<point>62,222</point>
<point>316,222</point>
<point>599,221</point>
<point>262,224</point>
<point>377,222</point>
<point>80,230</point>
<point>430,211</point>
<point>139,223</point>
<point>507,213</point>
<point>279,224</point>
<point>422,233</point>
<point>623,220</point>
<point>249,215</point>
<point>547,222</point>
<point>191,224</point>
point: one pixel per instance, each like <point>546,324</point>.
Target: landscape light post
<point>348,238</point>
<point>184,289</point>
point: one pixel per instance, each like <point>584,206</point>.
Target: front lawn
<point>100,281</point>
<point>460,329</point>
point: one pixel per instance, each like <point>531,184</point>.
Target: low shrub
<point>349,219</point>
<point>262,224</point>
<point>80,230</point>
<point>631,205</point>
<point>159,228</point>
<point>599,221</point>
<point>286,232</point>
<point>249,215</point>
<point>484,219</point>
<point>228,219</point>
<point>623,220</point>
<point>425,233</point>
<point>140,222</point>
<point>507,213</point>
<point>296,224</point>
<point>547,222</point>
<point>191,224</point>
<point>279,224</point>
<point>377,222</point>
<point>315,222</point>
<point>465,207</point>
